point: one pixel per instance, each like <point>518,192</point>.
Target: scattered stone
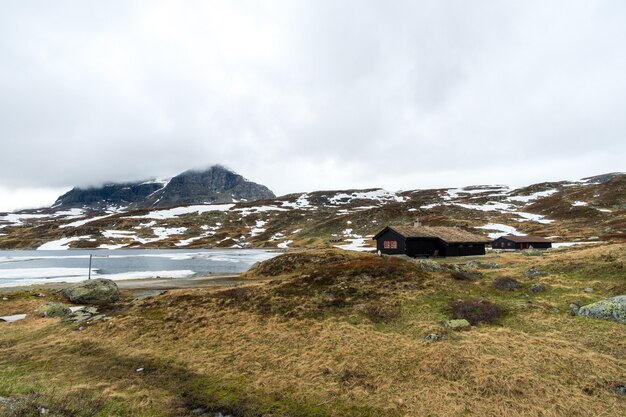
<point>85,315</point>
<point>486,265</point>
<point>90,310</point>
<point>537,288</point>
<point>613,309</point>
<point>8,404</point>
<point>555,310</point>
<point>534,273</point>
<point>458,324</point>
<point>53,310</point>
<point>589,290</point>
<point>506,284</point>
<point>433,337</point>
<point>139,370</point>
<point>429,265</point>
<point>5,299</point>
<point>574,309</point>
<point>621,389</point>
<point>93,291</point>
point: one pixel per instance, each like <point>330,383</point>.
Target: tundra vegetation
<point>334,333</point>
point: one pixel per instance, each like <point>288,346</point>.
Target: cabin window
<point>390,244</point>
<point>509,244</point>
<point>470,246</point>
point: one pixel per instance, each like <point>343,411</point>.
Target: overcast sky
<point>309,95</point>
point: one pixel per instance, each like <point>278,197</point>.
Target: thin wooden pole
<point>90,256</point>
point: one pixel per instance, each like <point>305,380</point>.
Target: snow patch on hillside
<point>180,211</point>
<point>532,197</point>
<point>18,219</point>
<point>379,195</point>
<point>85,221</point>
<point>502,230</point>
<point>62,244</point>
<point>532,217</point>
<point>302,203</point>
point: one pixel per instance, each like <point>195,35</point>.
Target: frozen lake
<point>27,267</point>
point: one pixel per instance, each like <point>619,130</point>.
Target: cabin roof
<point>524,239</point>
<point>447,234</point>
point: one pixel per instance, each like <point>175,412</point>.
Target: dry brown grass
<point>197,350</point>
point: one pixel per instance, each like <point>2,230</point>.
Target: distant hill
<point>214,185</point>
<point>198,210</point>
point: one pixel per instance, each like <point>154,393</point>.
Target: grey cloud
<point>303,95</point>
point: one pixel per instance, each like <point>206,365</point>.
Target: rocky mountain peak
<point>215,184</point>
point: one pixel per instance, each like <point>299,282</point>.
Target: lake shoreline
<point>213,280</point>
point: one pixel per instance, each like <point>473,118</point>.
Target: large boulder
<point>613,309</point>
<point>53,310</point>
<point>93,291</point>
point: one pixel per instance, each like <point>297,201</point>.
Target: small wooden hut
<point>424,241</point>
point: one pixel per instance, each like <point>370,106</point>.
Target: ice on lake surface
<point>27,267</point>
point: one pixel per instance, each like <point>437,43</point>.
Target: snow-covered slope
<point>565,211</point>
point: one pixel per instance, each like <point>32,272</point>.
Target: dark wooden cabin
<point>424,241</point>
<point>512,242</point>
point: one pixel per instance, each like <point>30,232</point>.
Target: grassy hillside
<point>333,333</point>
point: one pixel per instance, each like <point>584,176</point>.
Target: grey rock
<point>621,389</point>
<point>537,288</point>
<point>429,265</point>
<point>8,404</point>
<point>94,291</point>
<point>534,273</point>
<point>574,309</point>
<point>457,324</point>
<point>53,310</point>
<point>90,310</point>
<point>433,337</point>
<point>532,252</point>
<point>613,309</point>
<point>589,290</point>
<point>78,317</point>
<point>85,315</point>
<point>485,265</point>
<point>506,284</point>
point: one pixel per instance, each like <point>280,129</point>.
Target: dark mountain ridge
<point>216,184</point>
